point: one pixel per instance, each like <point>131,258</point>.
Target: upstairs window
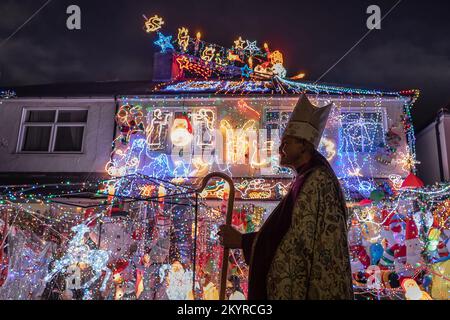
<point>276,121</point>
<point>52,130</point>
<point>361,131</point>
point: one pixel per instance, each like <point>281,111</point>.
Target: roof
<point>275,86</point>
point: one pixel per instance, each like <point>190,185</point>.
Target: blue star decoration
<point>246,71</point>
<point>164,42</point>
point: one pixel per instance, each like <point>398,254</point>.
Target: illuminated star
<point>252,47</point>
<point>246,71</point>
<point>183,62</point>
<point>164,42</point>
<point>407,161</point>
<point>239,43</point>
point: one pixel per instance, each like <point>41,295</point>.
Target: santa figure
<point>413,244</point>
<point>179,282</point>
<point>413,291</point>
<point>392,228</point>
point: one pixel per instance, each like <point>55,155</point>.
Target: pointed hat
<point>411,230</point>
<point>308,121</point>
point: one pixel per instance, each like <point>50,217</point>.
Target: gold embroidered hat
<point>308,121</point>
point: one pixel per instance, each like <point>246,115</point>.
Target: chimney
<point>165,67</point>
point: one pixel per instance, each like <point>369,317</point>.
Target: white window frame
<point>366,110</point>
<point>54,128</point>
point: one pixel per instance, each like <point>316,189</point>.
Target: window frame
<point>54,129</point>
<point>278,109</point>
<point>382,110</point>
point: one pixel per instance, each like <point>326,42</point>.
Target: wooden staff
<point>230,205</point>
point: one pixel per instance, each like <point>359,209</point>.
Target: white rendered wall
<point>98,136</point>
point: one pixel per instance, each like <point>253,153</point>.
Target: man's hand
<point>230,237</point>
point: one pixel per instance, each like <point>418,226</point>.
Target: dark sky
<point>412,50</point>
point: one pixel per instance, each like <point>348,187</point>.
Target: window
<point>276,120</point>
<point>52,130</point>
<point>361,131</point>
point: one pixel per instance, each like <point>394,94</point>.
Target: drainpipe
<point>116,103</point>
<point>438,141</point>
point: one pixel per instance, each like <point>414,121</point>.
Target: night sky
<point>412,50</point>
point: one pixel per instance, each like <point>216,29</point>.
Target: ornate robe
<point>301,251</point>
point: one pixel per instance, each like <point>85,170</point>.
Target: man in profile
<point>301,251</point>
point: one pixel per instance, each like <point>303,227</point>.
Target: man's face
<point>290,151</point>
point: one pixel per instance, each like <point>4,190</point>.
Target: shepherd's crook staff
<point>226,251</point>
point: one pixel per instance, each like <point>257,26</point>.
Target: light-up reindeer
<point>79,252</point>
<point>230,205</point>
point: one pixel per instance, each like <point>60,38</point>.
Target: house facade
<point>137,145</point>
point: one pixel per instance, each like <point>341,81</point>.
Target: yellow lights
<point>183,38</point>
<point>255,189</point>
<point>147,191</point>
<point>183,62</point>
<point>201,168</point>
<point>154,24</point>
<point>276,57</point>
<point>250,62</point>
<point>198,36</point>
<point>181,132</point>
<point>263,72</point>
<point>239,43</point>
<point>218,190</point>
<point>299,76</point>
<point>233,57</point>
<point>208,54</point>
<point>413,291</point>
<point>407,161</point>
<point>237,141</point>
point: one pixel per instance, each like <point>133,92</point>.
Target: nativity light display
<point>225,110</point>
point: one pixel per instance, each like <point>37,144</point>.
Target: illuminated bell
<point>181,133</point>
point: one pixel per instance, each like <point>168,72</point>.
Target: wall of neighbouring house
<point>427,151</point>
